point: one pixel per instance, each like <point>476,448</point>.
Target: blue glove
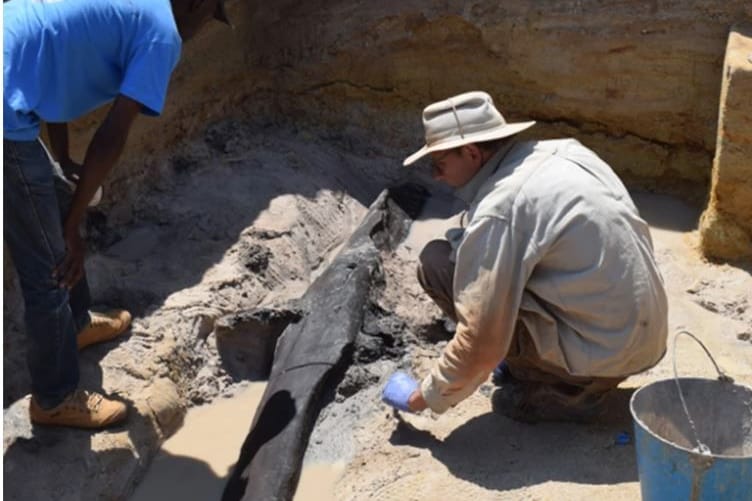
<point>501,374</point>
<point>398,390</point>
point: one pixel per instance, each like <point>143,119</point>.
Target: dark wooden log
<point>312,353</point>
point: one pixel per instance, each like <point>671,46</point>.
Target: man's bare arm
<point>104,150</point>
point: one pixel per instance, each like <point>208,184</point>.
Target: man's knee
<point>434,257</point>
<point>436,274</point>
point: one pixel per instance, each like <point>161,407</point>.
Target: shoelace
<point>100,320</point>
<point>83,400</point>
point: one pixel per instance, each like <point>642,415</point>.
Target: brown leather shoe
<point>104,327</point>
<point>81,409</point>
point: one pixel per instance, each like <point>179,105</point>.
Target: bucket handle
<point>722,376</point>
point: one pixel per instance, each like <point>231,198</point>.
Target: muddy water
<point>196,461</point>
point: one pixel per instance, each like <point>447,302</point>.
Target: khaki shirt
<point>553,240</point>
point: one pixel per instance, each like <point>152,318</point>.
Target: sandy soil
<point>196,246</point>
<point>242,217</point>
<point>472,453</point>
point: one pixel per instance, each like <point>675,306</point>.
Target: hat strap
<point>457,118</point>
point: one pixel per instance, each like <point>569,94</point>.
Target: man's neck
<point>491,161</point>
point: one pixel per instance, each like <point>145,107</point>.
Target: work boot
<point>80,409</point>
<point>530,402</point>
<point>104,327</point>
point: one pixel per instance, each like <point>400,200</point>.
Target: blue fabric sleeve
<point>148,75</point>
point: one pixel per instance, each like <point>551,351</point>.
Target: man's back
<point>67,57</point>
<point>594,298</point>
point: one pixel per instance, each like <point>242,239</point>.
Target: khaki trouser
<point>436,276</point>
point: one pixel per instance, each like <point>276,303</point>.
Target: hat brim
<point>488,135</point>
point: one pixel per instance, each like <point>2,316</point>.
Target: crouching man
<point>552,282</point>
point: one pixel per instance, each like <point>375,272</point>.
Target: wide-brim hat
<point>464,119</point>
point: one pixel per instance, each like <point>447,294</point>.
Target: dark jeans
<point>36,199</point>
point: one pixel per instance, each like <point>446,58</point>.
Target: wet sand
<point>194,463</point>
<point>318,480</point>
<point>470,453</point>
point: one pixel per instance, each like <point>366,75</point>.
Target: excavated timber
<point>312,354</point>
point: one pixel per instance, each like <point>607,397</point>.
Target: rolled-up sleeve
<point>489,279</point>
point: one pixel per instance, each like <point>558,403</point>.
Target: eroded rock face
<point>726,225</point>
<point>637,81</point>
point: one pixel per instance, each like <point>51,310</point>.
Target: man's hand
<point>70,271</point>
<point>58,134</point>
<point>401,392</point>
<point>416,402</point>
<point>71,170</point>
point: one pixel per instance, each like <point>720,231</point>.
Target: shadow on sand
<point>499,454</point>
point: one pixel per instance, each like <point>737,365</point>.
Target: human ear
<point>473,152</point>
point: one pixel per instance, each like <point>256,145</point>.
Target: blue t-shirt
<point>64,58</point>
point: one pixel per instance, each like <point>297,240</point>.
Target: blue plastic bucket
<point>693,439</point>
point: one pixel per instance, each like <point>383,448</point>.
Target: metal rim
<point>638,421</point>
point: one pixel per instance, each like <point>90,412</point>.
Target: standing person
<point>554,272</point>
<point>63,59</point>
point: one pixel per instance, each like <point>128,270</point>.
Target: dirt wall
<point>645,73</point>
<point>637,81</point>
